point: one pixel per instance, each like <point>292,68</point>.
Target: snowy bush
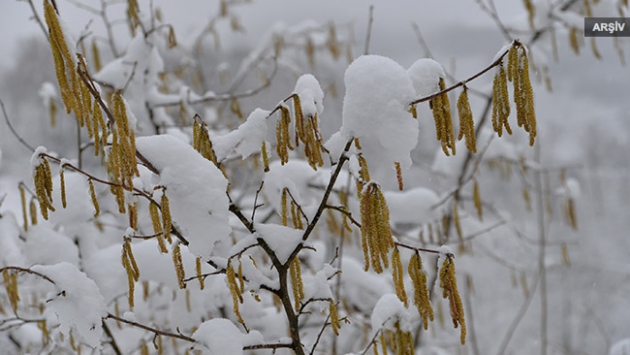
<point>198,225</point>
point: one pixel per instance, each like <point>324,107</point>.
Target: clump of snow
<point>389,311</point>
<point>47,247</point>
<point>621,347</point>
<point>362,289</point>
<point>195,188</point>
<point>445,250</point>
<point>295,175</point>
<point>311,95</point>
<point>378,91</point>
<point>282,240</point>
<point>35,157</point>
<point>425,75</point>
<point>10,243</point>
<point>246,139</point>
<point>414,206</point>
<point>77,302</point>
<point>48,93</point>
<point>571,189</point>
<point>218,336</point>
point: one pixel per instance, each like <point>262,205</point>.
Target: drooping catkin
<point>179,266</point>
<point>62,184</point>
<point>133,273</point>
<point>200,277</point>
<point>398,275</point>
<point>295,270</point>
<point>33,210</point>
<point>167,222</point>
<point>265,156</point>
<point>283,138</point>
<point>421,298</point>
<point>477,200</point>
<point>500,102</point>
<point>466,122</point>
<point>399,176</point>
<point>376,235</point>
<point>334,316</point>
<point>235,291</point>
<point>24,208</point>
<point>157,227</point>
<point>11,286</point>
<point>441,108</point>
<point>67,77</point>
<point>448,284</point>
<point>43,187</point>
<point>97,208</point>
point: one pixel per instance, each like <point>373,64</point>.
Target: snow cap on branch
<point>378,91</point>
<point>195,188</point>
<point>425,74</point>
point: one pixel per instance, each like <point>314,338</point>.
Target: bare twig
<point>368,35</point>
<point>6,119</point>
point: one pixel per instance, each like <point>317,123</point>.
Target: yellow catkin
<point>11,286</point>
<point>235,107</point>
<point>441,109</point>
<point>157,227</point>
<point>234,290</point>
<point>573,40</point>
<point>458,226</point>
<point>512,65</point>
<point>448,283</point>
<point>375,231</point>
<point>24,208</point>
<point>383,342</point>
<point>399,176</point>
<point>594,49</point>
<point>477,200</point>
<point>33,210</point>
<point>132,212</point>
<point>527,104</point>
<point>531,12</point>
<point>130,277</point>
<point>310,52</point>
<point>97,208</point>
<point>166,217</point>
<point>283,202</point>
<point>96,56</point>
<point>199,274</point>
<point>398,275</point>
<point>62,183</point>
<point>265,156</point>
<point>466,122</point>
<point>421,298</point>
<point>179,266</point>
<point>172,39</point>
<point>295,270</point>
<point>334,317</point>
<point>500,102</point>
<point>62,58</point>
<point>98,122</point>
<point>241,278</point>
<point>188,307</point>
<point>52,112</point>
<point>43,187</point>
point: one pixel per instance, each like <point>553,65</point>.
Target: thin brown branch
<point>149,329</point>
<point>462,83</point>
<point>15,134</point>
<point>28,271</point>
<point>38,19</point>
<point>368,35</point>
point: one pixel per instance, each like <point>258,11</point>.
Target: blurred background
<point>584,132</point>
